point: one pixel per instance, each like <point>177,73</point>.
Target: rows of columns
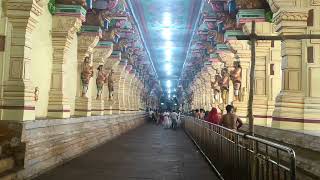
<point>286,74</point>
<point>18,99</point>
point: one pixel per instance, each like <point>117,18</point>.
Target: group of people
<point>229,120</point>
<point>172,119</point>
<point>166,118</point>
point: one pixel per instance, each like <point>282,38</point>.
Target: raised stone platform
<point>44,144</point>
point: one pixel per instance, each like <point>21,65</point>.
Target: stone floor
<point>146,153</point>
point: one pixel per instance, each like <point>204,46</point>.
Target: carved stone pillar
<point>243,55</point>
<point>140,86</point>
<point>110,65</point>
<point>87,40</point>
<point>101,53</point>
<point>18,95</point>
<point>126,89</point>
<point>118,87</point>
<point>130,93</point>
<point>297,105</point>
<point>134,94</point>
<point>211,79</point>
<point>64,29</point>
<point>267,74</point>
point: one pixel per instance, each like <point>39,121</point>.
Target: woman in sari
<point>213,116</point>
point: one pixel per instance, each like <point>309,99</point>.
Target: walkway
<point>146,153</point>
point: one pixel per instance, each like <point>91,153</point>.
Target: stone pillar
<point>18,94</point>
<point>127,89</point>
<point>243,54</point>
<point>5,31</point>
<point>130,89</point>
<point>86,42</point>
<point>101,53</point>
<point>211,79</point>
<point>118,88</point>
<point>267,74</point>
<point>64,29</point>
<point>111,65</point>
<point>140,86</point>
<point>228,58</point>
<point>297,105</point>
<point>134,94</point>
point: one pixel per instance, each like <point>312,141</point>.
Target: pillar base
<point>108,107</point>
<point>242,110</point>
<point>18,101</point>
<point>59,111</point>
<point>97,107</point>
<point>83,106</point>
<point>260,108</point>
<point>296,112</point>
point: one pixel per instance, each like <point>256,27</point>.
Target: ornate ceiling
<point>166,27</point>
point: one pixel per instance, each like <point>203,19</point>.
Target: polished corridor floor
<point>146,153</point>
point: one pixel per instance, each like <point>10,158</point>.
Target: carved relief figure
<point>110,84</point>
<point>101,79</point>
<point>216,88</point>
<point>236,79</point>
<point>224,85</point>
<point>86,74</point>
<point>36,94</point>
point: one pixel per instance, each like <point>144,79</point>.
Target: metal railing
<point>239,156</point>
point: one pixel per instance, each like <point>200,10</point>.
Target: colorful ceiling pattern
<point>167,26</point>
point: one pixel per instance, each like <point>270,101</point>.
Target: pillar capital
<point>64,28</point>
<point>292,20</point>
<point>27,11</point>
<point>88,40</point>
<point>276,5</point>
<point>101,55</point>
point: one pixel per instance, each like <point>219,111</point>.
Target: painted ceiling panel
<point>167,28</point>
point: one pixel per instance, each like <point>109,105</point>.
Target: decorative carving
<point>316,2</point>
<point>216,88</point>
<point>36,94</point>
<point>101,79</point>
<point>292,15</point>
<point>250,4</point>
<point>236,79</point>
<point>63,29</point>
<point>110,84</point>
<point>224,85</point>
<point>86,74</point>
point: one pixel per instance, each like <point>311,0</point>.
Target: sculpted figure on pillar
<point>86,74</point>
<point>110,84</point>
<point>224,85</point>
<point>216,88</point>
<point>101,79</point>
<point>236,79</point>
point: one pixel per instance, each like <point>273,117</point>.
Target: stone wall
<point>306,146</point>
<point>49,143</point>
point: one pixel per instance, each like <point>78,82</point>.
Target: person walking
<point>174,119</point>
<point>167,122</point>
<point>231,120</point>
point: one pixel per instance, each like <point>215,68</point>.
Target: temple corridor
<point>146,153</point>
<point>84,75</point>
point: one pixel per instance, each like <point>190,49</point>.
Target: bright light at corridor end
<point>168,84</point>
